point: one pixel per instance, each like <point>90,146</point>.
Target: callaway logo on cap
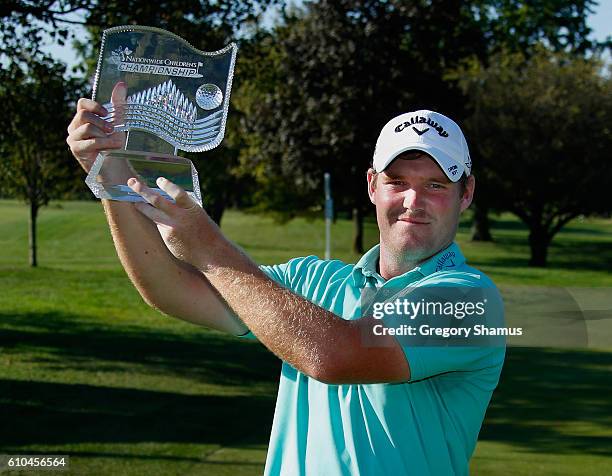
<point>427,131</point>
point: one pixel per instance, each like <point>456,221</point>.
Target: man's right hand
<point>163,281</point>
<point>89,134</point>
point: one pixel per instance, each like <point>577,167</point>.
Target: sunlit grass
<point>89,370</point>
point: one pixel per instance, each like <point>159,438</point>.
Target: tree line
<point>312,90</point>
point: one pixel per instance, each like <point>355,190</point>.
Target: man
<point>343,408</point>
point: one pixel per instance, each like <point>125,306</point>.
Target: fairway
<point>89,370</point>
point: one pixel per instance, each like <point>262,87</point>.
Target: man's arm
<point>310,338</point>
<point>163,281</point>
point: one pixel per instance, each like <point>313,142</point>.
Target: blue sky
<point>600,22</point>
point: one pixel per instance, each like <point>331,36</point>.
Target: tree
<point>320,86</point>
<point>319,89</point>
<point>541,126</point>
<point>35,162</point>
<point>24,23</point>
<point>519,26</point>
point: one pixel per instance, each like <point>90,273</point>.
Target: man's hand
<point>89,134</point>
<point>183,225</point>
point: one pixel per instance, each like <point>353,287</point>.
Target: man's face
<point>417,207</point>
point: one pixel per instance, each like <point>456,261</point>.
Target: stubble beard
<point>406,253</point>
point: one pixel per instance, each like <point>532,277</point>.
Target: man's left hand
<point>184,226</point>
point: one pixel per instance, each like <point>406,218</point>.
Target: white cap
<point>427,131</point>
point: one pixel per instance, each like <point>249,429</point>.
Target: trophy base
<point>109,174</point>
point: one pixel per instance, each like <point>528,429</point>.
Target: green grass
<point>87,369</point>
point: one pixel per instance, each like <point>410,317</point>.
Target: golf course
<point>88,370</point>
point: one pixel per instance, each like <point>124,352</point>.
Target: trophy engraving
<point>165,95</point>
<point>166,112</point>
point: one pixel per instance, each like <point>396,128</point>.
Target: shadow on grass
<point>56,413</point>
<point>546,399</point>
<point>159,457</point>
<point>72,343</point>
<point>51,413</point>
<point>512,224</point>
<point>567,254</point>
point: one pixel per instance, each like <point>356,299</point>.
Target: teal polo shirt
<point>427,426</point>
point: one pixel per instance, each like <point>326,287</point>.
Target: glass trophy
<point>164,95</point>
